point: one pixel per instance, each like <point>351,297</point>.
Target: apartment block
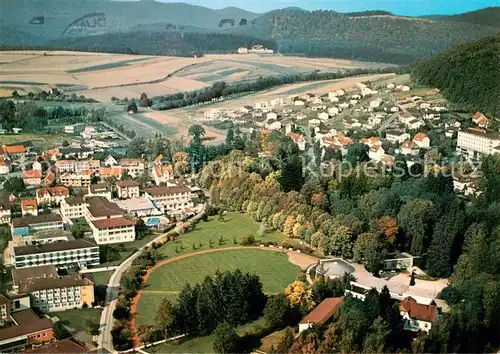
<point>127,189</point>
<point>475,142</point>
<point>172,200</point>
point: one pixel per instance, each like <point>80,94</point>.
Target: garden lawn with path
<point>273,268</point>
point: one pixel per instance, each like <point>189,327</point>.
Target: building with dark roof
<point>28,224</point>
<point>28,330</point>
<point>66,254</point>
<point>172,200</point>
<point>64,346</point>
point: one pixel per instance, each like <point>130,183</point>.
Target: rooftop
<point>102,207</point>
<point>29,323</point>
<point>53,247</point>
<point>113,222</point>
<point>100,188</point>
<point>127,183</point>
<point>418,311</point>
<point>34,284</point>
<point>158,191</point>
<point>28,220</point>
<point>44,271</point>
<point>64,346</point>
<point>323,311</point>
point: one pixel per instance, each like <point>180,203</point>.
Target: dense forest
<point>468,75</point>
<point>367,216</point>
<point>389,39</point>
<point>489,16</point>
<point>153,43</point>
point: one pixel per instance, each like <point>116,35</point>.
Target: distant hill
<point>468,74</point>
<point>54,19</point>
<point>489,16</point>
<point>386,38</point>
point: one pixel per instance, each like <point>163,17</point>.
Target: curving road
<point>106,324</point>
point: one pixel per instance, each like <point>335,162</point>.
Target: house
<point>374,120</point>
<point>417,317</point>
<point>313,122</point>
<point>107,222</point>
<point>13,150</point>
<point>4,166</point>
<point>299,103</point>
<point>65,166</point>
<point>76,179</point>
<point>422,140</point>
<point>51,292</point>
<point>298,139</point>
<point>110,161</point>
<point>271,116</point>
<point>5,213</point>
<point>466,185</point>
<point>28,330</point>
<point>396,136</point>
<point>475,142</point>
<point>405,118</point>
<point>73,207</point>
<point>162,173</point>
<point>80,253</point>
<point>323,116</point>
<point>172,200</point>
<point>134,167</point>
<point>87,165</point>
<point>76,152</point>
<point>376,153</point>
<point>32,177</point>
<point>415,124</point>
<point>110,172</point>
<point>51,195</point>
<point>29,206</point>
<point>344,105</point>
<point>333,111</point>
<point>387,161</point>
<point>340,92</point>
<point>27,224</point>
<point>127,189</point>
<point>337,142</point>
<point>409,148</point>
<point>273,125</point>
<point>394,109</point>
<point>321,313</point>
<point>372,141</point>
<point>375,103</point>
<point>353,102</point>
<point>332,95</point>
<point>74,128</point>
<point>390,86</point>
<point>100,190</point>
<point>480,119</point>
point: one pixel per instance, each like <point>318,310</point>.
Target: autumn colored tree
<point>388,227</point>
<point>288,225</point>
<point>300,295</point>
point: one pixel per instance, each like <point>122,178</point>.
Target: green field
<point>273,268</point>
<point>232,228</point>
<point>40,141</point>
<point>75,320</point>
<point>101,278</point>
<point>205,344</point>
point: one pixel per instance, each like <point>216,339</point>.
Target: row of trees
<point>221,89</point>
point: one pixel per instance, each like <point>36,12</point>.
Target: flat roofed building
<point>79,253</point>
<point>321,313</point>
<point>476,142</point>
<point>27,224</point>
<point>139,207</point>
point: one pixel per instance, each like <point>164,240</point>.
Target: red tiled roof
<point>408,144</point>
<point>418,311</point>
<point>113,222</point>
<point>53,191</point>
<point>110,171</point>
<point>163,169</point>
<point>295,137</point>
<point>29,204</point>
<point>420,136</point>
<point>65,346</point>
<point>32,174</point>
<point>13,149</point>
<point>34,325</point>
<point>323,311</point>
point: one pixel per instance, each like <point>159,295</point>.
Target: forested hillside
<point>489,16</point>
<point>382,38</point>
<point>468,75</point>
<point>159,43</point>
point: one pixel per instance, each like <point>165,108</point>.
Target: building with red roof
<point>29,206</point>
<point>422,140</point>
<point>32,177</point>
<point>417,317</point>
<point>321,313</point>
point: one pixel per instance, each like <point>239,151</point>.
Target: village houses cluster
<point>69,187</point>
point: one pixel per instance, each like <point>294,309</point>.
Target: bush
<point>247,240</point>
<point>226,340</point>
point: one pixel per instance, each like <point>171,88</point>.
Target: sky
<point>402,7</point>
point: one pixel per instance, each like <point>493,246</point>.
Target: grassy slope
<point>75,319</point>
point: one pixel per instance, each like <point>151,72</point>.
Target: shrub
<point>247,240</point>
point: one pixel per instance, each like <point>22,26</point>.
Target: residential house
<point>134,167</point>
<point>32,177</point>
<point>110,172</point>
<point>87,165</point>
<point>100,190</point>
<point>374,120</point>
<point>299,103</point>
<point>387,161</point>
<point>127,189</point>
<point>63,346</point>
<point>298,139</point>
<point>475,142</point>
<point>422,140</point>
<point>14,150</point>
<point>110,161</point>
<point>372,141</point>
<point>333,111</point>
<point>162,173</point>
<point>376,153</point>
<point>313,122</point>
<point>321,313</point>
<point>273,125</point>
<point>344,105</point>
<point>63,166</point>
<point>29,206</point>
<point>50,292</point>
<point>340,92</point>
<point>390,86</point>
<point>323,116</point>
<point>28,224</point>
<point>394,109</point>
<point>468,186</point>
<point>376,103</point>
<point>76,152</point>
<point>480,119</point>
<point>417,317</point>
<point>271,116</point>
<point>337,142</point>
<point>106,220</point>
<point>172,200</point>
<point>28,330</point>
<point>73,207</point>
<point>76,179</point>
<point>5,213</point>
<point>415,124</point>
<point>37,165</point>
<point>51,195</point>
<point>409,148</point>
<point>80,253</point>
<point>405,118</point>
<point>4,166</point>
<point>396,136</point>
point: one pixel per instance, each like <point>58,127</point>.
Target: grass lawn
<point>274,269</point>
<point>205,344</point>
<point>101,278</point>
<point>40,141</point>
<point>232,228</point>
<point>75,319</point>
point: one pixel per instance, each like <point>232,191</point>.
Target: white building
<point>172,200</point>
<point>376,103</point>
<point>134,167</point>
<point>73,207</point>
<point>323,116</point>
<point>127,189</point>
<point>417,317</point>
<point>396,136</point>
<point>422,140</point>
<point>139,207</point>
<point>475,142</point>
<point>62,254</point>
